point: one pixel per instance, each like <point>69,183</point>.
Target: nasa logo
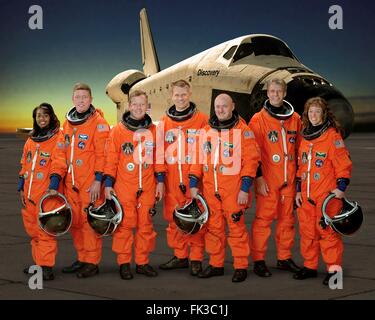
<point>81,145</point>
<point>43,162</point>
<point>319,163</point>
<point>190,140</point>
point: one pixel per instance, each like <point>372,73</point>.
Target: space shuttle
<point>239,67</point>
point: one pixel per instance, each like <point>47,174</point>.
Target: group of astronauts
<point>292,163</point>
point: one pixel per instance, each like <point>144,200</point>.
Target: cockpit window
<point>244,50</point>
<point>230,52</point>
<point>263,46</point>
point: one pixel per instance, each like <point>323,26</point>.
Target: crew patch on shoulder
<point>103,127</point>
<point>339,144</point>
<point>248,134</point>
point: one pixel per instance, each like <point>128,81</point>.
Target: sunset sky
<point>92,41</point>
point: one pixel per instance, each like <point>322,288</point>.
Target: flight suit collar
<point>282,113</point>
<point>228,124</point>
<point>76,118</point>
<point>133,124</point>
<point>45,135</point>
<point>181,115</point>
<point>311,132</point>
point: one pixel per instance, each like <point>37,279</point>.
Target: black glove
<point>237,216</point>
<point>323,223</point>
<point>182,188</point>
<point>152,211</point>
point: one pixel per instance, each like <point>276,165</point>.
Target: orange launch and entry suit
<point>179,134</point>
<point>37,159</point>
<point>322,163</point>
<point>130,164</point>
<point>278,144</point>
<point>84,150</point>
<point>229,156</point>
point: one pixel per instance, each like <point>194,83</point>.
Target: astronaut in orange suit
<point>276,128</point>
<point>85,134</point>
<point>179,129</point>
<point>324,166</point>
<point>36,177</point>
<point>131,173</point>
<point>226,170</point>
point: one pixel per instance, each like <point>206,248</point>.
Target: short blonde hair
<point>137,93</point>
<point>180,83</point>
<point>82,86</point>
<point>277,81</point>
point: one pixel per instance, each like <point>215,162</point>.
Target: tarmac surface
<point>15,253</point>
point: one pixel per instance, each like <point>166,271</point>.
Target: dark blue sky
<point>92,41</point>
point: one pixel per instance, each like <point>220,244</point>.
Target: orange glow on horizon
<point>9,124</point>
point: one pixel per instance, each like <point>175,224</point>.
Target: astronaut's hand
<point>51,192</point>
<point>160,189</point>
<point>193,192</point>
<point>261,186</point>
<point>108,192</point>
<point>243,197</point>
<point>298,199</point>
<point>94,191</point>
<point>338,193</point>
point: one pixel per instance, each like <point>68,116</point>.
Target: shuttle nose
<point>302,88</point>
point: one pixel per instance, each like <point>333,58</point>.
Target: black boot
<point>305,273</point>
<point>239,275</point>
<point>88,270</point>
<point>175,263</point>
<point>76,265</point>
<point>48,273</point>
<point>261,270</point>
<point>211,271</point>
<point>288,265</point>
<point>195,267</point>
<point>146,269</point>
<point>125,272</point>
